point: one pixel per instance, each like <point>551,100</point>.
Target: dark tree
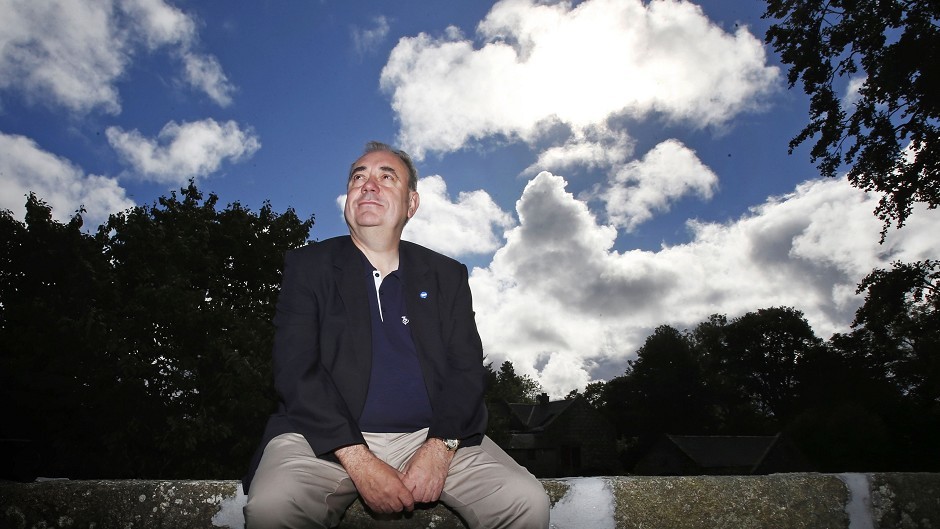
<point>899,324</point>
<point>736,413</point>
<point>143,351</point>
<point>896,337</point>
<point>662,391</point>
<point>594,392</point>
<point>849,419</point>
<point>667,386</point>
<point>871,400</point>
<point>53,374</point>
<point>889,136</point>
<point>762,357</point>
<point>505,387</point>
<point>195,289</point>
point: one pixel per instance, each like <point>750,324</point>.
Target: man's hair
<point>377,146</point>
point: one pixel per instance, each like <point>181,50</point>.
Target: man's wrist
<point>451,445</point>
<point>351,455</point>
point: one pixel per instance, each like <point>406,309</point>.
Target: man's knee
<point>520,504</point>
<point>531,504</point>
<point>270,512</point>
<point>278,511</point>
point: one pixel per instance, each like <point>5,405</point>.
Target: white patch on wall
<point>230,511</point>
<point>859,505</point>
<point>589,502</point>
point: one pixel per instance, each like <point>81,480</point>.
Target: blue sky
<point>603,167</point>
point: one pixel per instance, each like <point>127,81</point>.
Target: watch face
<point>451,444</point>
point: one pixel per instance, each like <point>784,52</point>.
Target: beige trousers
<point>487,488</point>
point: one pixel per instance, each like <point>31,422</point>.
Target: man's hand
<point>379,484</point>
<point>426,471</point>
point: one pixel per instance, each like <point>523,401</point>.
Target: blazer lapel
<point>351,285</point>
<point>419,291</point>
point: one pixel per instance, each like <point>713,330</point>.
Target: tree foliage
<point>859,402</point>
<point>898,323</point>
<point>881,382</point>
<point>54,373</point>
<point>505,387</point>
<point>763,353</point>
<point>142,350</point>
<point>889,135</point>
<point>667,372</point>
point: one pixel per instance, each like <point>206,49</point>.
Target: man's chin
<point>367,221</point>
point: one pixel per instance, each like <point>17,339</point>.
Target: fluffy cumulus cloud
<point>666,173</point>
<point>71,53</point>
<point>593,148</point>
<point>564,306</point>
<point>578,65</point>
<point>473,224</point>
<point>183,151</point>
<point>26,168</point>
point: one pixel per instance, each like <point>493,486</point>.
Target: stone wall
<point>850,501</point>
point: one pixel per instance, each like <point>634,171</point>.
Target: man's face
<point>377,193</point>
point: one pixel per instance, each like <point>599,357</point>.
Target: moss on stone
<point>898,501</point>
<point>906,500</point>
<point>732,502</point>
<point>104,504</point>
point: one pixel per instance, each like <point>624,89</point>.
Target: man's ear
<point>413,201</point>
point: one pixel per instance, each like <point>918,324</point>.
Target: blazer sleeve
<point>461,413</point>
<point>307,393</point>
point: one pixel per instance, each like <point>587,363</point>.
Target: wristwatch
<point>451,444</point>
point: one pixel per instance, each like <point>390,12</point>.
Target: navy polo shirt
<point>398,399</point>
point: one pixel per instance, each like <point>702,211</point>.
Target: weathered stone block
<point>844,501</point>
<point>905,500</point>
<point>732,502</point>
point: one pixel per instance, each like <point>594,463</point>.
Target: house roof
<point>715,451</point>
<point>536,417</point>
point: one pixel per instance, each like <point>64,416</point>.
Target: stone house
<point>561,438</point>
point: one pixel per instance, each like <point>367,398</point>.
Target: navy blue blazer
<point>323,345</point>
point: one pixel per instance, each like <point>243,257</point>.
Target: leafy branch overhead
<point>886,133</point>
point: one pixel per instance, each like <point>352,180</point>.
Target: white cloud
<point>593,148</point>
<point>25,168</point>
<point>365,40</point>
<point>557,300</point>
<point>164,25</point>
<point>159,23</point>
<point>667,172</point>
<point>184,151</point>
<point>71,53</point>
<point>205,73</point>
<point>62,51</point>
<point>541,64</point>
<point>474,224</point>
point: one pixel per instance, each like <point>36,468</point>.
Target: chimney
<point>543,399</point>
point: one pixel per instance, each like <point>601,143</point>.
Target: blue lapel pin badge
<point>423,295</point>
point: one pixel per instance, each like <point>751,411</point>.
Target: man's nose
<point>371,183</point>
